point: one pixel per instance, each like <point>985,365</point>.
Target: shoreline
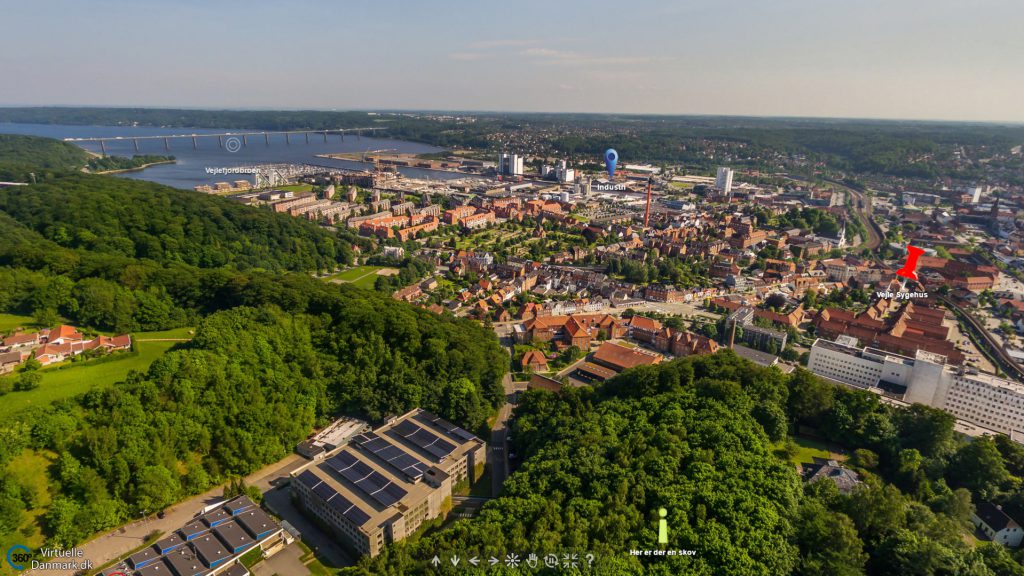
<point>135,169</point>
<point>340,156</point>
<point>120,170</point>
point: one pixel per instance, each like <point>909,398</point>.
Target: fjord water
<point>191,167</point>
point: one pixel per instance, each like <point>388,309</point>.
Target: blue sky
<point>932,59</point>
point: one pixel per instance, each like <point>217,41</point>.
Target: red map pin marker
<point>909,269</point>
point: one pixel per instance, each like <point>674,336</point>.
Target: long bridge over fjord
<point>242,137</point>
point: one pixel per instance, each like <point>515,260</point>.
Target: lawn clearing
<point>71,379</point>
<point>353,274</point>
<point>9,322</point>
<point>296,188</point>
<point>183,334</point>
<point>807,450</point>
<point>361,276</point>
<point>30,469</point>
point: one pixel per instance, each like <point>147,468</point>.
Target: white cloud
<point>486,44</point>
<point>468,56</point>
<point>551,56</point>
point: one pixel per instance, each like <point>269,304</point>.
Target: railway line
<point>994,349</point>
<point>860,203</point>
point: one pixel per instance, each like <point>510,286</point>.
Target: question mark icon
<point>590,559</point>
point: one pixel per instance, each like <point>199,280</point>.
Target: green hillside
<point>140,219</point>
<point>21,156</point>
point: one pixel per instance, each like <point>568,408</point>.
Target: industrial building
<point>985,400</point>
<point>210,545</point>
<point>382,485</point>
<point>510,164</point>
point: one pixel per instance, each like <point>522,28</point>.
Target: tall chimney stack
<point>647,211</point>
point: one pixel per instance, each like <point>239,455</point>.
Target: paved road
<point>287,561</point>
<point>471,500</point>
<point>498,447</point>
<point>115,544</point>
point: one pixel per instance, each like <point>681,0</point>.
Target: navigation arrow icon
<point>474,561</point>
<point>493,561</point>
<point>455,560</point>
<point>435,561</point>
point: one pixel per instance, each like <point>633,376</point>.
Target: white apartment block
<point>510,164</point>
<point>723,180</point>
<point>982,399</point>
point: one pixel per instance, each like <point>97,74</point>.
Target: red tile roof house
<point>68,347</point>
<point>10,360</point>
<point>110,343</point>
<point>534,361</point>
<point>643,328</point>
<point>52,353</point>
<point>64,334</point>
<point>20,340</point>
<point>619,358</point>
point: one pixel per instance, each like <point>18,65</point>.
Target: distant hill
<point>21,156</point>
<point>145,220</point>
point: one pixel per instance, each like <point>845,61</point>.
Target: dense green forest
<point>706,438</point>
<point>21,156</point>
<point>275,350</point>
<point>138,219</point>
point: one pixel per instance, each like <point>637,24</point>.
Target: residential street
<point>114,544</point>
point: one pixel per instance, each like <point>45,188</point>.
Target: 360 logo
<point>18,555</point>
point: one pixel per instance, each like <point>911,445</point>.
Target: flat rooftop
<point>996,382</point>
<point>866,353</point>
<point>379,473</point>
<point>338,432</point>
<point>175,556</point>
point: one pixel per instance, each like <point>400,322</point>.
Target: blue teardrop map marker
<point>610,158</point>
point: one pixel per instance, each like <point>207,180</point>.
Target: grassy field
<point>69,379</point>
<point>296,188</point>
<point>8,322</point>
<point>807,450</point>
<point>30,469</point>
<point>362,276</point>
<point>174,334</point>
<point>252,557</point>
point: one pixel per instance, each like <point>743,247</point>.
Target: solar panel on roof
<point>349,467</point>
<point>405,428</point>
<point>324,491</point>
<point>349,510</point>
<point>394,456</point>
<point>409,465</point>
<point>424,439</point>
<point>448,427</point>
<point>461,434</point>
<point>428,418</point>
<point>395,491</point>
<point>308,479</point>
<point>385,499</point>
